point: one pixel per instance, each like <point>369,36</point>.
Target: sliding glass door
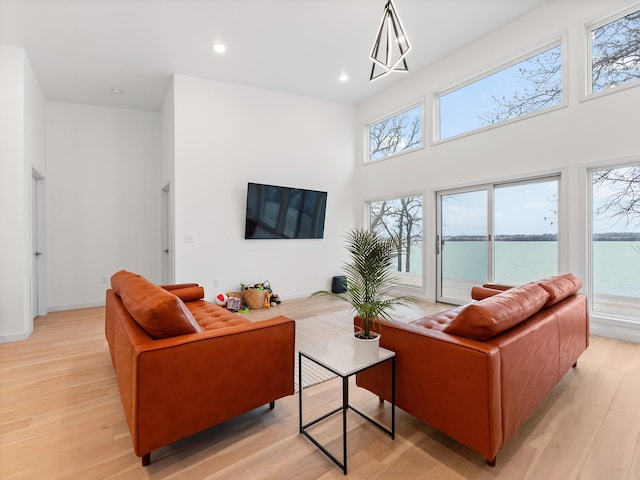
<point>462,243</point>
<point>501,233</point>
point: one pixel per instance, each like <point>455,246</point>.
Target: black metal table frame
<point>345,407</point>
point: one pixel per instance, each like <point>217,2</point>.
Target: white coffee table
<point>337,357</point>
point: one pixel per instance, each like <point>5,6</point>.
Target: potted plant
<point>369,281</point>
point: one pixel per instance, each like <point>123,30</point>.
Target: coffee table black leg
<point>393,398</point>
<point>300,388</point>
<point>345,407</point>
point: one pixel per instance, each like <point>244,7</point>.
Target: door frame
<point>490,187</point>
<point>166,236</point>
<point>38,275</point>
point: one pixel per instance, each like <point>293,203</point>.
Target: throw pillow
<point>560,287</point>
<point>119,278</point>
<point>493,315</point>
<point>160,313</point>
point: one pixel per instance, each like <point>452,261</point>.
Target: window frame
<point>598,315</point>
<point>588,27</point>
<point>367,160</point>
<point>552,42</point>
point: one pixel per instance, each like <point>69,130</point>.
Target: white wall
<point>21,139</point>
<point>14,269</point>
<point>227,135</point>
<point>103,197</point>
<point>567,140</point>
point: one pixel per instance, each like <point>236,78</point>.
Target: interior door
<point>165,236</point>
<point>38,268</point>
<point>34,247</point>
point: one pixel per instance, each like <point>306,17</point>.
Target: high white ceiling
<point>81,49</point>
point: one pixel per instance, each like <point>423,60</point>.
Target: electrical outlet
<point>188,239</point>
<point>216,283</point>
<point>105,280</point>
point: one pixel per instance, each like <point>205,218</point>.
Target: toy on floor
<point>271,299</point>
<point>221,299</point>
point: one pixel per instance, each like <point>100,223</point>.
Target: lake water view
<point>616,264</point>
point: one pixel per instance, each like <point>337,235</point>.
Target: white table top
<point>337,355</point>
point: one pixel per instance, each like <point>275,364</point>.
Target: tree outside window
<point>401,220</point>
<point>531,84</point>
<point>615,52</point>
<point>395,134</point>
<point>615,247</point>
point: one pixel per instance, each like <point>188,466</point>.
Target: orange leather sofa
<point>477,372</point>
<point>184,364</point>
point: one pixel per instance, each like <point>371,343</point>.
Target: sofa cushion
<point>189,294</point>
<point>160,313</point>
<point>213,317</point>
<point>560,287</point>
<point>439,320</point>
<point>493,315</point>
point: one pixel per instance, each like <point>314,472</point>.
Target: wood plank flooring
<point>61,418</point>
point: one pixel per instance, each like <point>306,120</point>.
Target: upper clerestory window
<point>614,46</point>
<point>524,86</point>
<point>395,134</point>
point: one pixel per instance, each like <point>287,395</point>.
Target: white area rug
<point>321,328</point>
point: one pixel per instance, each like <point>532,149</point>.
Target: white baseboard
<point>615,328</point>
<point>16,337</point>
<point>60,308</point>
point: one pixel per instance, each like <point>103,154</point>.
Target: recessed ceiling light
<point>218,48</point>
<point>117,91</point>
<point>343,77</point>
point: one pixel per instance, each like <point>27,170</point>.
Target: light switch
<point>188,239</point>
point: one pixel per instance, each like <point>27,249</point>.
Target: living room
<point>105,169</point>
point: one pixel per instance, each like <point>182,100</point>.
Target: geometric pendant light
<point>391,45</point>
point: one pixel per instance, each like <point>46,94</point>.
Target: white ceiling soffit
<point>81,49</point>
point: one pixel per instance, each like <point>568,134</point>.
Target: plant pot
<point>365,350</point>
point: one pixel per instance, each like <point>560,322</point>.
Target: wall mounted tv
<point>284,212</point>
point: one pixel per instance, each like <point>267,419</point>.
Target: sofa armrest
<point>497,286</point>
<point>178,286</point>
<point>480,293</point>
<point>449,382</point>
<point>188,383</point>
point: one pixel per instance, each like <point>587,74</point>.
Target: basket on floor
<point>255,298</point>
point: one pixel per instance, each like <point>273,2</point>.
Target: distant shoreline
<point>546,237</point>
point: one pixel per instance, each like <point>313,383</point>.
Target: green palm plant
<point>369,279</point>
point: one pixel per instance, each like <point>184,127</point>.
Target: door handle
<point>37,254</point>
<point>166,250</point>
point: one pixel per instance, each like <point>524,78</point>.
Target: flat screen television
<point>283,212</point>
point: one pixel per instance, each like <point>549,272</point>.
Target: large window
<point>505,233</point>
<point>528,85</point>
<point>615,246</point>
<point>396,134</point>
<point>401,220</point>
<point>615,51</point>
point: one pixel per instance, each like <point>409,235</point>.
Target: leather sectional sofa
<point>184,364</point>
<point>477,372</point>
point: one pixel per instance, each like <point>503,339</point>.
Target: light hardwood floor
<point>61,418</point>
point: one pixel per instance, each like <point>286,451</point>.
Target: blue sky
<point>519,209</point>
